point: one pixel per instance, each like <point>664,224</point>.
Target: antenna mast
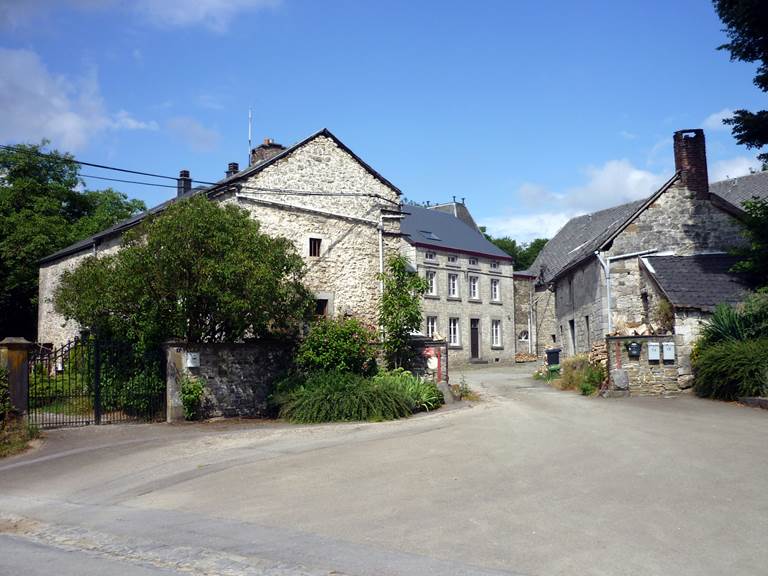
<point>250,119</point>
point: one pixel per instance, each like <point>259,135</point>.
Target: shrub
<point>5,397</point>
<point>344,396</point>
<point>338,345</point>
<point>732,368</point>
<point>572,371</point>
<point>746,322</point>
<point>192,392</point>
<point>423,394</point>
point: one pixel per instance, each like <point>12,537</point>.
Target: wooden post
<point>14,353</point>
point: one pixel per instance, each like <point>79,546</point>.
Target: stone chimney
<point>268,149</point>
<point>232,169</point>
<point>691,161</point>
<point>183,183</point>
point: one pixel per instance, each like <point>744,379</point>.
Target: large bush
<point>422,394</point>
<point>578,373</point>
<point>342,345</point>
<point>343,396</point>
<point>732,368</point>
<point>748,321</point>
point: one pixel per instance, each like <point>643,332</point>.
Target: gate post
<point>14,353</point>
<point>175,351</point>
<point>96,382</point>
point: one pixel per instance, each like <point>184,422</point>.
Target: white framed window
<point>494,264</point>
<point>431,282</point>
<point>495,293</point>
<point>453,285</point>
<point>474,292</point>
<point>473,261</point>
<point>430,256</point>
<point>453,331</point>
<point>452,259</point>
<point>495,332</point>
<point>431,326</point>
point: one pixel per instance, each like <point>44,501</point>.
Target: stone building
<point>342,215</point>
<point>599,268</point>
<point>471,297</point>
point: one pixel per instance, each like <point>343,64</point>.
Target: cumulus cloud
<point>194,134</point>
<point>732,168</point>
<point>714,122</point>
<point>36,104</point>
<point>527,227</point>
<point>213,14</point>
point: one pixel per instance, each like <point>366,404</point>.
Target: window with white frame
<point>429,256</point>
<point>473,261</point>
<point>453,285</point>
<point>474,292</point>
<point>495,295</point>
<point>431,326</point>
<point>452,259</point>
<point>495,332</point>
<point>453,331</point>
<point>431,282</point>
<point>494,265</point>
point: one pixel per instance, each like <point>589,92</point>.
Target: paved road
<point>529,481</point>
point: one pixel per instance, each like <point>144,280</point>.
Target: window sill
<point>475,300</point>
<point>432,296</point>
<point>497,302</point>
<point>454,346</point>
<point>454,299</point>
<point>497,347</point>
<point>431,263</point>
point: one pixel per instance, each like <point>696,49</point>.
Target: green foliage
<point>423,394</point>
<point>732,368</point>
<point>400,312</point>
<point>41,211</point>
<point>578,373</point>
<point>523,254</point>
<point>200,271</point>
<point>754,262</point>
<point>344,396</point>
<point>15,435</point>
<point>192,394</point>
<point>5,397</point>
<point>746,322</point>
<point>592,379</point>
<point>747,29</point>
<point>342,345</point>
<point>664,315</point>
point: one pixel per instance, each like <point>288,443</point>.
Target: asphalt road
<point>528,481</point>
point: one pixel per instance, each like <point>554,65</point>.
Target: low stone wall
<point>238,377</point>
<point>641,376</point>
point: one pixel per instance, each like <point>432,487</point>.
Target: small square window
<point>494,265</point>
<point>452,259</point>
<point>473,261</point>
<point>429,255</point>
<point>321,307</point>
<point>314,247</point>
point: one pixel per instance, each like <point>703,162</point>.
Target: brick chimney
<point>268,149</point>
<point>232,169</point>
<point>691,161</point>
<point>183,183</point>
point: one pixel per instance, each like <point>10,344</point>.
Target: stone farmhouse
<point>345,219</point>
<point>660,262</point>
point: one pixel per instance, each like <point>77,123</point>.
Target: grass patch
<point>577,373</point>
<point>730,369</point>
<point>15,435</point>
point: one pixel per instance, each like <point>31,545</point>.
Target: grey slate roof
<point>737,190</point>
<point>579,238</point>
<point>701,281</point>
<point>436,229</point>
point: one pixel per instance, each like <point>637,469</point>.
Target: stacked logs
<point>525,357</point>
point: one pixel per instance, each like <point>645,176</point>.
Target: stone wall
<point>524,329</point>
<point>238,377</point>
<point>545,321</point>
<point>639,376</point>
<point>579,305</point>
<point>484,309</point>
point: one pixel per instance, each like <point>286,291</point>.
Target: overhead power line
<point>128,181</point>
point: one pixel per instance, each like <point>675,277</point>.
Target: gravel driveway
<point>528,481</point>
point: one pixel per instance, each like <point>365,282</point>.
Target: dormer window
<point>428,235</point>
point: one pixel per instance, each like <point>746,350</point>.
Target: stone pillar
<point>175,355</point>
<point>14,353</point>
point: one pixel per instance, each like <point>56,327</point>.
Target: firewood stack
<point>525,357</point>
<point>599,355</point>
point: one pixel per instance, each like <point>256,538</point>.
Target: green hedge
<point>732,368</point>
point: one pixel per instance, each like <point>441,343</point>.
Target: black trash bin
<point>553,356</point>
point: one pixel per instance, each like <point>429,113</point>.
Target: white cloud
<point>194,134</point>
<point>36,104</point>
<point>732,168</point>
<point>714,122</point>
<point>628,135</point>
<point>213,14</point>
<point>527,227</point>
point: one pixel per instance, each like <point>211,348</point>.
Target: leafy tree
<point>400,312</point>
<point>41,211</point>
<point>746,24</point>
<point>200,271</point>
<point>522,254</point>
<point>754,261</point>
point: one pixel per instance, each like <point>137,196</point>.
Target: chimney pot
<point>691,161</point>
<point>232,169</point>
<point>183,184</point>
<point>265,151</point>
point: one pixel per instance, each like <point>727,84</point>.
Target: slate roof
<point>121,227</point>
<point>579,238</point>
<point>701,281</point>
<point>737,190</point>
<point>442,231</point>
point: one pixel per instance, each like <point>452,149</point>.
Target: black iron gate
<point>91,381</point>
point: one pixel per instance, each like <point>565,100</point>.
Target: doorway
<point>474,338</point>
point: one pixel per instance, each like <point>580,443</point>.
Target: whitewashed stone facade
<point>316,189</point>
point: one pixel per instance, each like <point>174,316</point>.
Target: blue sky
<point>532,111</point>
